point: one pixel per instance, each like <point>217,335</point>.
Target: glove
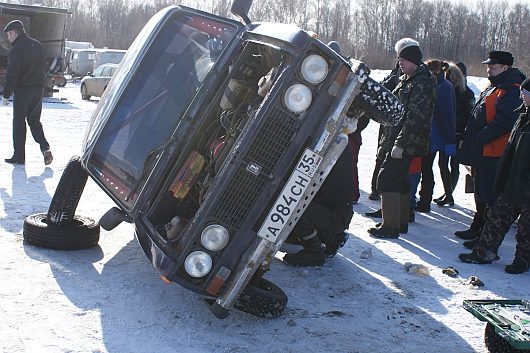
<point>352,125</point>
<point>397,152</point>
<point>5,101</point>
<point>450,150</point>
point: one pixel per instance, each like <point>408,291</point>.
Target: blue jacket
<point>443,132</point>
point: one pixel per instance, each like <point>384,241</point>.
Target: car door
<point>91,82</point>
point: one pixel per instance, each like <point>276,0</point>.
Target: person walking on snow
<point>25,80</point>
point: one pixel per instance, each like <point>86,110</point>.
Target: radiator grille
<point>272,140</point>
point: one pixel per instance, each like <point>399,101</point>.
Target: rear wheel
<point>84,92</point>
<point>496,344</point>
<point>81,233</point>
<point>68,193</point>
<point>262,298</point>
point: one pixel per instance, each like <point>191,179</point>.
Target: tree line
<point>366,29</point>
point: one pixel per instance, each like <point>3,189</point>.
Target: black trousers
<point>27,105</point>
<point>427,179</point>
<point>325,220</point>
<point>394,175</point>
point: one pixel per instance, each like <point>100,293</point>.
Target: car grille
<point>272,141</point>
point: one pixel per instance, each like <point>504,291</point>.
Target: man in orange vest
<point>487,133</point>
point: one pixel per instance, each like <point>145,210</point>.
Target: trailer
<point>47,25</point>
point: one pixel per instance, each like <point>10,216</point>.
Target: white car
<point>94,84</point>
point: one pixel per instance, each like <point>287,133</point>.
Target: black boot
<point>311,255</point>
<point>412,216</point>
<point>518,266</point>
<point>447,200</point>
<point>468,234</point>
<point>374,214</point>
<point>335,242</point>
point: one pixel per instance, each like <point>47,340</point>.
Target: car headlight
<point>214,237</point>
<point>198,264</point>
<point>314,69</point>
<point>297,98</point>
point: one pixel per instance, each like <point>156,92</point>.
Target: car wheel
<point>60,82</point>
<point>68,193</point>
<point>262,298</point>
<point>81,233</point>
<point>84,92</point>
<point>378,103</point>
<point>496,344</point>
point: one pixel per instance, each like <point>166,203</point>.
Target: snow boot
<point>390,206</point>
<point>517,267</point>
<point>311,255</point>
<point>335,241</point>
<point>404,212</point>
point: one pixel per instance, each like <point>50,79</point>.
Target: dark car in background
<point>212,137</point>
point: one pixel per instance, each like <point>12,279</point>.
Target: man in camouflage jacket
<point>410,138</point>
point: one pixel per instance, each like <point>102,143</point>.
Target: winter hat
<point>409,49</point>
<point>435,65</point>
<point>525,87</point>
<point>14,25</point>
<point>499,57</point>
<point>462,67</point>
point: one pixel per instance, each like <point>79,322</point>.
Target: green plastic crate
<point>510,318</point>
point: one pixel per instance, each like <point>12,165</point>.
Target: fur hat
<point>409,49</point>
<point>499,57</point>
<point>454,74</point>
<point>14,25</point>
<point>525,87</point>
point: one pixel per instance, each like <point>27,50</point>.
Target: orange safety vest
<point>496,147</point>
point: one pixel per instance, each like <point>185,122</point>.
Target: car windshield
<point>151,106</point>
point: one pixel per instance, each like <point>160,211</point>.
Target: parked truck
<point>47,25</point>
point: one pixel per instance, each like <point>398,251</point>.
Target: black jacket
<point>479,132</point>
<point>513,171</point>
<point>464,105</point>
<point>26,65</point>
<point>336,191</point>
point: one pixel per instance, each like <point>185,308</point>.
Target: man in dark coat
<point>409,138</point>
<point>25,80</point>
<point>513,185</point>
<point>487,132</point>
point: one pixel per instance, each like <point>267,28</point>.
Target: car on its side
<point>94,84</point>
<point>212,138</point>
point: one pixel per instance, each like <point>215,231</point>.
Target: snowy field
<point>110,299</point>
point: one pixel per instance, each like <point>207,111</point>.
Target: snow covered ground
<point>110,299</point>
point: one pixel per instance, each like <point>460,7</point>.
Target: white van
<point>107,56</point>
<point>81,62</point>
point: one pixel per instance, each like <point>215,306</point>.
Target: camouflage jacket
<point>417,93</point>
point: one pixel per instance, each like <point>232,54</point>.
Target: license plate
<point>290,196</point>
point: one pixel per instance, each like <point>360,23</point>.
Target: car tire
<point>68,193</point>
<point>81,233</point>
<point>217,310</point>
<point>84,93</point>
<point>377,102</point>
<point>496,344</point>
<point>262,298</point>
<point>60,82</point>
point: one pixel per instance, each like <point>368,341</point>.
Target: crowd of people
<point>490,136</point>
